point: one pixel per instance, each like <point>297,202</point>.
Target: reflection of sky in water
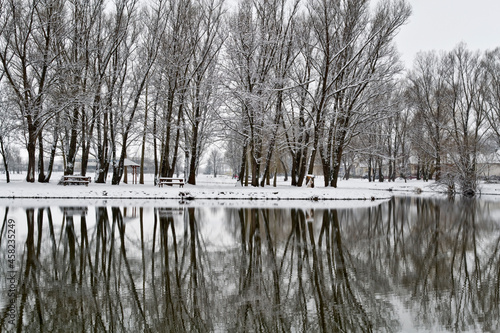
<point>212,223</point>
<point>412,274</point>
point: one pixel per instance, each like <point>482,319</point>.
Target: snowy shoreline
<point>223,188</point>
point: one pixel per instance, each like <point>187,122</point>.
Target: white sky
<point>443,24</point>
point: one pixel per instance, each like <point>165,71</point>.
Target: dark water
<point>406,265</point>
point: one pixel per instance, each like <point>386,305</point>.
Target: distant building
<point>489,165</point>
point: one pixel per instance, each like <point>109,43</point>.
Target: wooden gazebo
<point>130,164</point>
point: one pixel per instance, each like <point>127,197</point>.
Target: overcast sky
<point>442,24</point>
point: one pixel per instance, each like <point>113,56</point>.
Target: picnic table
<point>170,181</point>
<point>75,180</point>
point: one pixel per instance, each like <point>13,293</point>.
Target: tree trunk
<point>143,148</point>
<point>241,175</point>
<point>125,170</point>
<point>347,169</point>
<point>113,151</point>
<point>380,175</point>
<point>336,166</point>
<point>284,170</point>
<point>86,141</point>
<point>275,177</point>
<point>102,149</point>
<point>267,166</point>
<point>177,139</point>
<point>438,165</point>
<point>52,157</point>
<point>31,147</point>
<point>155,145</point>
<point>247,170</point>
<point>194,152</point>
<point>41,166</point>
<point>255,171</point>
<point>255,160</point>
<point>272,143</point>
<point>295,169</point>
<point>71,155</point>
<point>419,164</point>
<point>326,171</point>
<point>302,169</point>
<point>5,160</point>
<point>164,164</point>
<point>118,169</point>
<point>85,156</point>
<point>390,171</point>
<point>370,159</point>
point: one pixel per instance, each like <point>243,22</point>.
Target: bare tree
<point>466,79</point>
<point>260,53</point>
<point>428,96</point>
<point>203,99</point>
<point>492,86</point>
<point>298,121</point>
<point>171,81</point>
<point>363,64</point>
<point>27,55</point>
<point>7,132</point>
<point>214,162</point>
<point>148,52</point>
<point>284,29</point>
<point>251,56</point>
<point>348,51</point>
<point>6,129</point>
<point>110,34</point>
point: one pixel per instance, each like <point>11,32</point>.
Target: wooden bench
<point>75,180</point>
<point>170,181</point>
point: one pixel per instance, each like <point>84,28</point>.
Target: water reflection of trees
<point>292,270</point>
<point>442,256</point>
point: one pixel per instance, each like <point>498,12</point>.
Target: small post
<point>310,181</point>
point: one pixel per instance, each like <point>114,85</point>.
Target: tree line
<point>283,85</point>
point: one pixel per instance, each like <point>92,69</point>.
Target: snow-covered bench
<point>75,180</point>
<point>170,181</point>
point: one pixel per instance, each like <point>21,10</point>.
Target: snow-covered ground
<point>221,188</point>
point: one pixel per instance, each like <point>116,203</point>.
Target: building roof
<point>130,163</point>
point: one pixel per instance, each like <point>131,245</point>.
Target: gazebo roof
<point>129,163</point>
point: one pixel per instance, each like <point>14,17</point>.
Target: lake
<point>409,264</point>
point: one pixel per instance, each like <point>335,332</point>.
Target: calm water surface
<point>406,265</point>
